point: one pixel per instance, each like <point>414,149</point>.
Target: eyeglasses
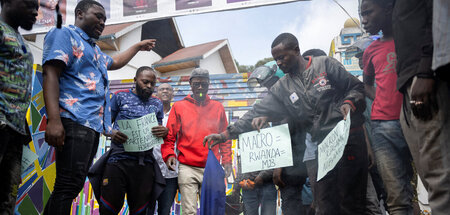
<point>198,84</point>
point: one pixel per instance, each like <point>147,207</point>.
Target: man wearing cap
<point>190,120</point>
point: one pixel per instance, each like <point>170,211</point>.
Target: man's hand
<point>171,163</point>
<point>259,122</point>
<point>423,98</point>
<point>147,45</point>
<point>345,108</point>
<point>258,180</point>
<point>119,137</point>
<point>228,170</point>
<point>160,131</point>
<point>54,133</point>
<point>277,178</point>
<point>214,138</point>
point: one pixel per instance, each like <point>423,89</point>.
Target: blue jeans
<point>266,195</point>
<point>165,200</point>
<point>394,163</point>
<point>72,164</point>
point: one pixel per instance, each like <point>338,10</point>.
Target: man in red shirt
<point>392,155</point>
<point>190,120</point>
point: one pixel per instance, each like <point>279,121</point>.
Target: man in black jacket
<point>316,94</point>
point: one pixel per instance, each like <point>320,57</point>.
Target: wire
<point>359,26</point>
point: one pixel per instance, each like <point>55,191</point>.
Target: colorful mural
<point>38,179</point>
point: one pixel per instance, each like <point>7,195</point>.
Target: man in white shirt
<point>165,200</point>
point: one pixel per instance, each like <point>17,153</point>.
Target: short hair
<point>145,68</point>
<point>314,53</point>
<point>383,3</point>
<point>84,5</point>
<point>287,39</point>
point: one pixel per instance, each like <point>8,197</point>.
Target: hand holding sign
<point>139,133</point>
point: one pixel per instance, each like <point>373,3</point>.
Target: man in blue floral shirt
<point>76,96</point>
<point>16,70</point>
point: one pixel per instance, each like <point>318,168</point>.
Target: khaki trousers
<point>190,183</point>
<point>429,143</point>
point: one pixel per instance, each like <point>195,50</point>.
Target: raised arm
<point>123,58</point>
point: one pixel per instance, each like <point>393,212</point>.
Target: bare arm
<point>123,58</point>
<point>368,86</point>
<point>54,134</point>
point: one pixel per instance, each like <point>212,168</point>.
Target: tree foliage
<point>250,68</point>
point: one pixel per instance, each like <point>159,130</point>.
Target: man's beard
<point>143,94</point>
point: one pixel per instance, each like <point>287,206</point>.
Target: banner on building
<point>123,11</point>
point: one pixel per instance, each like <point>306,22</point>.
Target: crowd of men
<point>406,74</point>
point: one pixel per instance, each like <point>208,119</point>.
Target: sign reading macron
<point>139,132</point>
<point>268,149</point>
<point>332,147</point>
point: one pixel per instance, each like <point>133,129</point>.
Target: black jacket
<point>311,100</point>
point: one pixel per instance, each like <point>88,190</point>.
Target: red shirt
<point>189,123</point>
<point>380,61</point>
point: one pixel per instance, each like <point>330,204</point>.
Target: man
<point>316,94</point>
<point>190,120</point>
<point>258,189</point>
<point>392,156</point>
<point>132,173</point>
<point>424,118</point>
<point>165,200</point>
<point>16,71</point>
<point>76,96</point>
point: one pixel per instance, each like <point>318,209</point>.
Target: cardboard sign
<point>139,132</point>
<point>28,157</point>
<point>268,149</point>
<point>332,147</point>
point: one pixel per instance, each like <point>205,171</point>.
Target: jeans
<point>266,195</point>
<point>72,164</point>
<point>10,167</point>
<point>394,164</point>
<point>343,190</point>
<point>165,200</point>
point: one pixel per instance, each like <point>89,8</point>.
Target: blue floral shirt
<point>83,86</point>
<point>127,105</point>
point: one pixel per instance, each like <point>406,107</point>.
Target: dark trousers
<point>126,176</point>
<point>343,190</point>
<point>165,200</point>
<point>11,147</point>
<point>72,164</point>
<point>291,195</point>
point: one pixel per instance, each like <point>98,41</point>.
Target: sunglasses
<point>198,84</point>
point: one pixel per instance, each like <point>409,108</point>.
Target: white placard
<point>332,147</point>
<point>268,149</point>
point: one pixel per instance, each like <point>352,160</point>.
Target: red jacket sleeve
<point>173,124</point>
<point>225,148</point>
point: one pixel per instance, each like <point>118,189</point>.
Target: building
<point>351,32</point>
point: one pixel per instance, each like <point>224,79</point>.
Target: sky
<point>250,32</point>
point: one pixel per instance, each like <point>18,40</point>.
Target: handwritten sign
<point>139,132</point>
<point>332,147</point>
<point>268,149</point>
<point>28,157</point>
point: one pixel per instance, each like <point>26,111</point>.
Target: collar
<point>83,34</point>
<point>202,103</point>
